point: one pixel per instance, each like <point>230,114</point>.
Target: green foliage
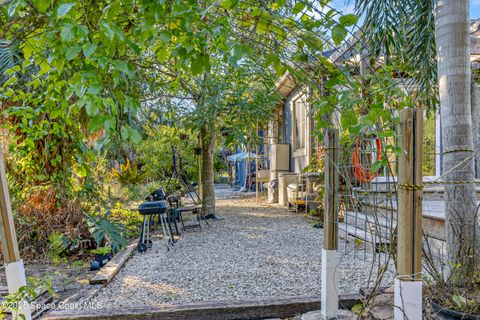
<point>106,231</point>
<point>360,310</point>
<point>26,293</point>
<point>101,250</point>
<point>405,32</point>
<point>129,218</point>
<point>57,247</point>
<point>155,152</point>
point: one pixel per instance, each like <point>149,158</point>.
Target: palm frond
<point>404,30</point>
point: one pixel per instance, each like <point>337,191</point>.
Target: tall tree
<point>454,86</point>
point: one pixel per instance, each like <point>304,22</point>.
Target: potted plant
<point>109,236</point>
<point>455,302</point>
<point>453,292</point>
<point>102,255</point>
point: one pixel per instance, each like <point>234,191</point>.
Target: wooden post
<point>248,167</point>
<point>331,187</point>
<point>14,268</point>
<point>329,290</point>
<point>199,172</point>
<point>408,285</point>
<point>256,166</point>
<point>9,238</point>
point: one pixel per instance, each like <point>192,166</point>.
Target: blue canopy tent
<point>240,162</point>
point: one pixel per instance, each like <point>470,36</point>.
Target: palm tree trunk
<point>208,191</point>
<point>452,39</point>
<point>476,123</point>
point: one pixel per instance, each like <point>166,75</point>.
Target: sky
<point>474,9</point>
<point>347,7</point>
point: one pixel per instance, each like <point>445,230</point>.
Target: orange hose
<point>360,173</point>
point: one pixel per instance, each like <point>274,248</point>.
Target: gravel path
<point>258,251</point>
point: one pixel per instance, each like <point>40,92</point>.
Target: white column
<point>329,292</point>
<point>408,300</point>
<point>15,272</point>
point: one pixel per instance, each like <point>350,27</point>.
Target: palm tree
<point>431,41</point>
<point>454,88</point>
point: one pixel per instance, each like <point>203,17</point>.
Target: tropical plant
<point>104,230</point>
<point>128,173</point>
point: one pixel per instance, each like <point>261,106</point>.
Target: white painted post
<point>408,283</point>
<point>329,291</point>
<point>408,299</point>
<point>15,272</point>
<point>14,268</point>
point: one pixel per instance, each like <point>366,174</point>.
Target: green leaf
<point>67,34</point>
<point>120,66</point>
<point>239,51</point>
<point>55,113</point>
<point>229,4</point>
<point>95,88</point>
<point>64,9</point>
<point>348,20</point>
<point>109,124</point>
<point>58,64</point>
<point>12,8</point>
<point>135,136</point>
<point>42,5</point>
<point>134,47</point>
<point>72,52</point>
<point>196,66</point>
<point>165,36</point>
<point>339,33</point>
<point>179,9</point>
<point>107,30</point>
<point>348,119</point>
<point>89,49</point>
<point>124,133</point>
<point>298,7</point>
<point>162,55</point>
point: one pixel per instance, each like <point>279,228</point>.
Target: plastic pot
<point>446,314</point>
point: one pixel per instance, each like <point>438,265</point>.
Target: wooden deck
<point>363,223</point>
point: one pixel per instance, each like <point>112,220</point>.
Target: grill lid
<point>153,207</point>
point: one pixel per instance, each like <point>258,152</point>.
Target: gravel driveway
<point>258,251</point>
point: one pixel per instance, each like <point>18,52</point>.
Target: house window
<point>299,123</point>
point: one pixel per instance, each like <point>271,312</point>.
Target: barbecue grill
<point>149,210</point>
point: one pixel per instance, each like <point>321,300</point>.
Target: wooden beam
<point>7,230</point>
<point>106,274</point>
<point>330,241</point>
<point>410,195</point>
<point>218,310</point>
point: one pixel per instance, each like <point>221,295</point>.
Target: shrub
<point>57,246</point>
<point>131,219</point>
